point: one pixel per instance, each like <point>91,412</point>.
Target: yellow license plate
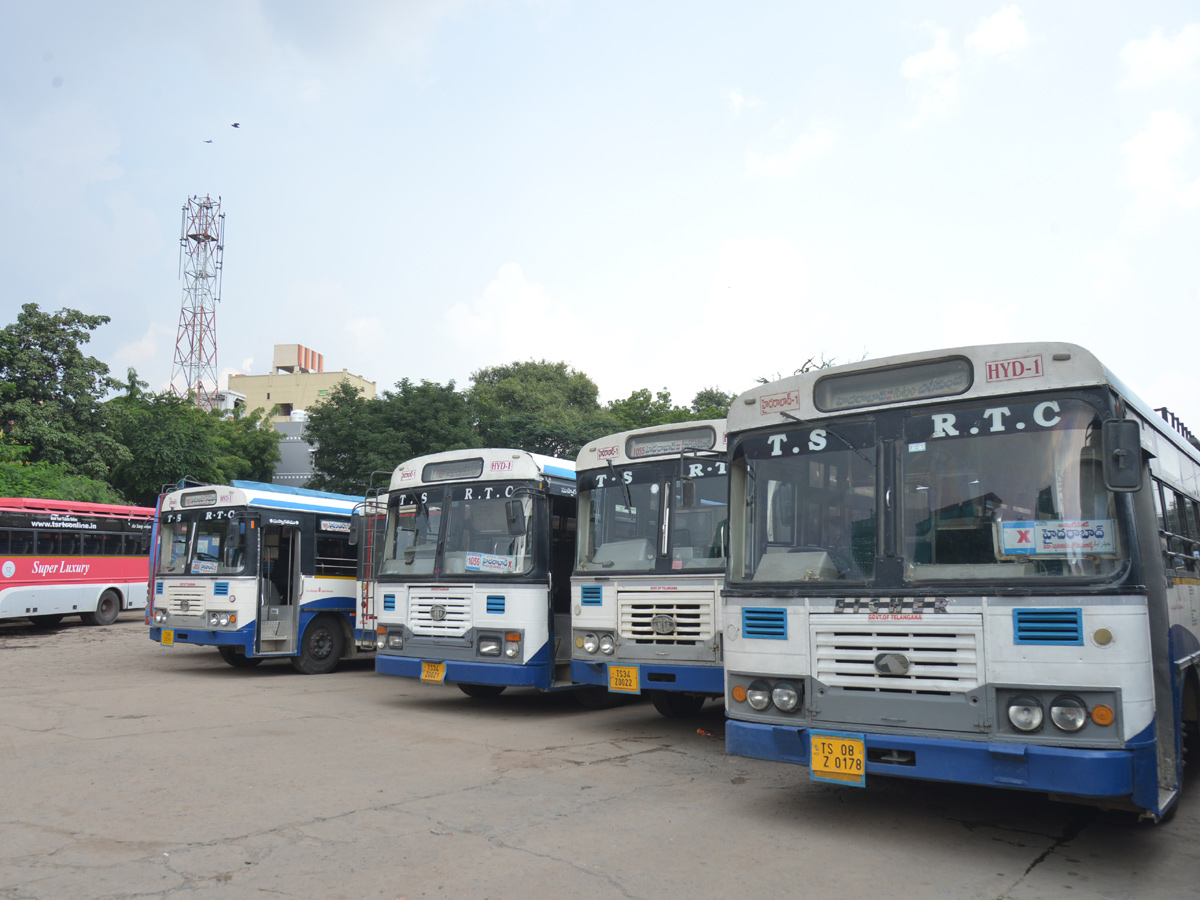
<point>623,679</point>
<point>168,637</point>
<point>434,673</point>
<point>840,758</point>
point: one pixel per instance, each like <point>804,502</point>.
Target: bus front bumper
<point>533,674</point>
<point>655,676</point>
<point>1057,770</point>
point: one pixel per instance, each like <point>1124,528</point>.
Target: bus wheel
<point>106,610</point>
<point>675,705</point>
<point>45,621</point>
<point>320,647</point>
<point>482,691</point>
<point>237,657</point>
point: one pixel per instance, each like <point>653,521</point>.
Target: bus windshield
<point>194,546</point>
<point>469,524</point>
<point>980,493</point>
<point>622,517</point>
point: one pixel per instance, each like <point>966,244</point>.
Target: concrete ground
<point>132,770</point>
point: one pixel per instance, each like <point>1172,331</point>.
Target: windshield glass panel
<point>620,515</point>
<point>700,515</point>
<point>479,540</point>
<point>807,503</point>
<point>202,546</point>
<point>413,524</point>
<point>1013,491</point>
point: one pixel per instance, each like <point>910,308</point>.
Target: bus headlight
<point>785,697</point>
<point>395,640</point>
<point>160,616</point>
<point>1025,713</point>
<point>1068,713</point>
<point>591,643</point>
<point>758,695</point>
<point>489,645</point>
<point>214,619</point>
<point>512,644</point>
<point>607,645</point>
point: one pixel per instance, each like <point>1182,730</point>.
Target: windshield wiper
<point>624,486</point>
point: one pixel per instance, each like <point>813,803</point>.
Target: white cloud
<point>738,101</point>
<point>151,346</point>
<point>934,77</point>
<point>1157,59</point>
<point>999,35</point>
<point>806,148</point>
<point>370,335</point>
<point>1154,174</point>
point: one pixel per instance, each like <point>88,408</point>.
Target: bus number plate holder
<point>433,672</point>
<point>624,680</point>
<point>168,637</point>
<point>838,758</point>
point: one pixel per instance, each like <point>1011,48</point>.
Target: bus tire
<point>675,705</point>
<point>237,657</point>
<point>107,609</point>
<point>46,621</point>
<point>320,647</point>
<point>482,691</point>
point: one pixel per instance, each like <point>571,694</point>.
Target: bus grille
<point>939,657</point>
<point>185,601</point>
<point>439,615</point>
<point>669,617</point>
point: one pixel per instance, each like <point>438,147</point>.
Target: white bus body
<point>650,563</point>
<point>473,581</point>
<point>258,571</point>
<point>979,565</point>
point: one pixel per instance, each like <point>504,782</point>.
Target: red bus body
<point>60,558</point>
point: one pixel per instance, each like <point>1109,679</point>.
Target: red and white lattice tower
<point>201,250</point>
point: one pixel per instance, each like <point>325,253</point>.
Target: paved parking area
<point>133,770</point>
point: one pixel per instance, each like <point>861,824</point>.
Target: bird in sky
<point>208,142</point>
<point>236,125</point>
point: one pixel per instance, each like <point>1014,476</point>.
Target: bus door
<point>278,588</point>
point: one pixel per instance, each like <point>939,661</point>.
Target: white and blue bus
<point>259,571</point>
<point>650,563</point>
<point>473,578</point>
<point>979,565</point>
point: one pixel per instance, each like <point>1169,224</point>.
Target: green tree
<point>354,437</point>
<point>20,478</point>
<point>247,445</point>
<point>711,403</point>
<point>640,410</point>
<point>50,392</point>
<point>544,407</point>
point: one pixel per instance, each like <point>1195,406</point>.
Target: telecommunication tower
<point>201,251</point>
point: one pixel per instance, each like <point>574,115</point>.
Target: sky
<point>665,195</point>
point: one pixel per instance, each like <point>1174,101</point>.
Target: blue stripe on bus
<point>591,595</point>
<point>557,472</point>
<point>770,623</point>
<point>1048,626</point>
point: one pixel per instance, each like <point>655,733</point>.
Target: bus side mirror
<point>514,514</point>
<point>355,524</point>
<point>688,494</point>
<point>234,538</point>
<point>1122,445</point>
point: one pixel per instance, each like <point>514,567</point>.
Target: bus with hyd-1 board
<point>473,578</point>
<point>650,563</point>
<point>977,565</point>
<point>259,571</point>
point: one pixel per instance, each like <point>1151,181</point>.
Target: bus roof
<point>488,464</point>
<point>257,495</point>
<point>34,504</point>
<point>641,444</point>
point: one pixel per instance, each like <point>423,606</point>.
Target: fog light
<point>607,645</point>
<point>1068,713</point>
<point>758,695</point>
<point>591,643</point>
<point>1025,714</point>
<point>511,649</point>
<point>785,697</point>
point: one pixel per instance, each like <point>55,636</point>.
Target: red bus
<point>60,558</point>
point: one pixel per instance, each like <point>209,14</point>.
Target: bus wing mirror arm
<point>1123,461</point>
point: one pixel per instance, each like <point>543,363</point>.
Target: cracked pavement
<point>136,771</point>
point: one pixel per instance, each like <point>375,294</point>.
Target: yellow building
<point>297,383</point>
